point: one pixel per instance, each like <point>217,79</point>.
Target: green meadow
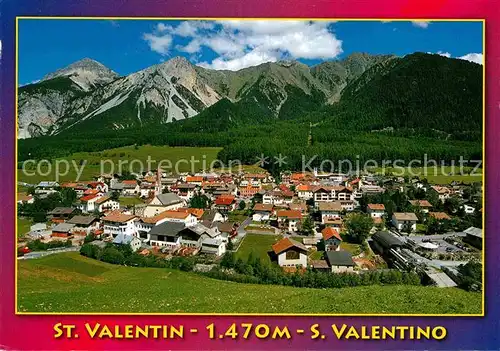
<point>128,158</point>
<point>68,282</point>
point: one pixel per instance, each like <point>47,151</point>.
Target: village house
<point>130,240</point>
<point>212,216</point>
<point>196,180</point>
<point>442,192</point>
<point>249,191</point>
<point>84,224</point>
<point>262,212</point>
<point>119,223</point>
<point>47,188</point>
<point>225,203</point>
<point>331,239</point>
<point>185,191</point>
<point>298,206</point>
<point>62,230</point>
<point>304,191</point>
<point>404,220</point>
<point>181,217</point>
<point>147,190</point>
<point>106,203</point>
<point>335,223</point>
<point>340,261</point>
<point>193,236</point>
<point>212,246</point>
<point>166,235</point>
<point>329,210</point>
<point>130,188</point>
<point>371,189</point>
<point>290,253</point>
<point>347,205</point>
<point>289,220</point>
<point>227,229</point>
<point>87,203</point>
<point>197,212</point>
<point>376,210</point>
<point>60,214</point>
<point>343,193</point>
<point>25,198</point>
<point>323,194</point>
<point>439,216</point>
<point>163,202</point>
<point>423,205</point>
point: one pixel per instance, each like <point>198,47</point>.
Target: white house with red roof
<point>289,219</point>
<point>117,223</point>
<point>290,253</point>
<point>376,210</point>
<point>331,238</point>
<point>225,203</point>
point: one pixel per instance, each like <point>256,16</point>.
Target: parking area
<point>443,246</point>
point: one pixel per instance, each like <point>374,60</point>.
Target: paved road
<point>38,254</point>
<point>241,229</point>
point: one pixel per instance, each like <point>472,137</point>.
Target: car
<point>449,249</point>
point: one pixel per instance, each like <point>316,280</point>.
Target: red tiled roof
<point>304,187</point>
<point>289,214</point>
<point>329,232</point>
<point>421,203</point>
<point>197,212</point>
<point>263,207</point>
<point>88,197</point>
<point>130,182</point>
<point>287,243</point>
<point>379,207</point>
<point>298,176</point>
<point>118,217</point>
<point>439,215</point>
<point>102,199</point>
<point>225,200</point>
<point>194,179</point>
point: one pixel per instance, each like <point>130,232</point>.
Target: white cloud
<point>420,24</point>
<point>158,43</point>
<point>252,58</point>
<point>473,57</point>
<point>241,44</point>
<point>441,53</point>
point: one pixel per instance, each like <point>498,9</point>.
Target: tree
<point>230,244</point>
<point>452,205</point>
<point>307,226</point>
<point>242,205</point>
<point>68,197</point>
<point>198,201</point>
<point>358,226</point>
<point>115,196</point>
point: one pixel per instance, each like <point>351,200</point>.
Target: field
<point>130,201</point>
<point>260,245</point>
<point>125,155</point>
<point>69,283</point>
<point>23,226</point>
<point>437,175</point>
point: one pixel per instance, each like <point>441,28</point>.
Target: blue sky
<point>127,46</point>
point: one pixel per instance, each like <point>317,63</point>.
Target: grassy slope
<point>128,153</point>
<point>71,283</point>
<point>260,245</point>
<point>23,226</point>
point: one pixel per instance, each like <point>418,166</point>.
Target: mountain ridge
<point>167,92</point>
